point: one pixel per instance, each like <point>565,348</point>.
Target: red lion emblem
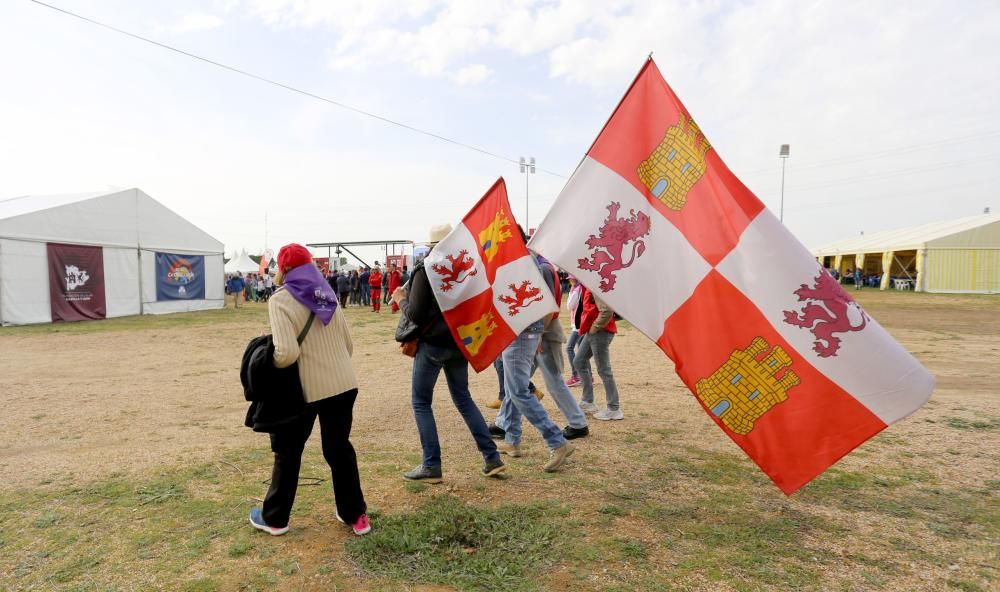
<point>827,319</point>
<point>523,296</point>
<point>614,235</point>
<point>454,274</point>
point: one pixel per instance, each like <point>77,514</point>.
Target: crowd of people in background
<point>368,286</point>
<point>249,287</point>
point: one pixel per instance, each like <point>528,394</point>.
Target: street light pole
<point>528,168</point>
<point>783,153</point>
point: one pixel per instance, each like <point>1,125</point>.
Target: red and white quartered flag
<point>777,353</point>
<point>485,281</point>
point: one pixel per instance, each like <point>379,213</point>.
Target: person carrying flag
<point>437,351</point>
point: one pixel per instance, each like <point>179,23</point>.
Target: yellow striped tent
<point>961,256</point>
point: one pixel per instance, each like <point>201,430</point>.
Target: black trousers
<point>335,418</point>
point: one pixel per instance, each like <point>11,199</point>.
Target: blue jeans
<point>574,338</point>
<point>498,366</point>
<point>597,346</point>
<point>427,365</point>
<point>550,362</point>
<point>518,359</point>
<point>366,294</point>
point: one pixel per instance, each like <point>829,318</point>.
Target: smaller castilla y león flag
<point>485,281</point>
<point>774,350</point>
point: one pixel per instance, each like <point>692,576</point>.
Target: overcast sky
<point>892,109</point>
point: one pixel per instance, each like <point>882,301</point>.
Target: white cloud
<point>473,74</point>
<point>433,37</point>
<point>198,21</point>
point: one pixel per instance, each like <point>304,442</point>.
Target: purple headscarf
<point>307,285</point>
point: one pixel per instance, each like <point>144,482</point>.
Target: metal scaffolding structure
<point>335,248</point>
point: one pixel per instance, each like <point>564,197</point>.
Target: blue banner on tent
<point>180,277</point>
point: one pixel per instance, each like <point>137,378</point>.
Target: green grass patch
<point>731,537</point>
<point>184,320</point>
<point>447,542</point>
<point>973,425</point>
<point>415,486</point>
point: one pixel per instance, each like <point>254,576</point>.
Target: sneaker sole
<point>431,480</point>
<point>554,468</point>
<point>269,529</point>
<point>496,471</point>
<point>609,418</point>
<point>511,453</point>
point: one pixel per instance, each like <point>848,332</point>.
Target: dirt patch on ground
<point>82,404</point>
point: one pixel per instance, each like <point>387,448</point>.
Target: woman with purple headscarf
<point>309,328</point>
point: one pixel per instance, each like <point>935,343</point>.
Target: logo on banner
<point>457,271</point>
<point>75,277</point>
<point>831,315</point>
<point>494,235</point>
<point>676,164</point>
<point>610,243</point>
<point>474,335</point>
<point>746,387</point>
<point>521,296</point>
<point>180,272</point>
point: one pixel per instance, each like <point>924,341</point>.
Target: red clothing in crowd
<point>591,311</point>
<point>375,281</point>
<point>394,280</point>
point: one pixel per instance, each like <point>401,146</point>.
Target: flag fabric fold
<point>777,353</point>
<point>485,281</point>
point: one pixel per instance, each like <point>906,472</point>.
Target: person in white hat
<point>437,351</point>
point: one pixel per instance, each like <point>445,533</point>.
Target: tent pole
<point>138,253</point>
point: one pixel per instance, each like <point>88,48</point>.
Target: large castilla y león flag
<point>781,358</point>
<point>486,282</point>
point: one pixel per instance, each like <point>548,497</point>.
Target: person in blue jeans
<point>549,360</point>
<point>518,365</point>
<point>437,352</point>
<point>518,362</point>
<point>597,325</point>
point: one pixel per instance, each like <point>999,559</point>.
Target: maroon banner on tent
<point>76,282</point>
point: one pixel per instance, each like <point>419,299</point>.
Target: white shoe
<point>609,415</point>
<point>588,407</point>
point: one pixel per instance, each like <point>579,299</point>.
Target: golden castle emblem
<point>745,388</point>
<point>474,334</point>
<point>676,164</point>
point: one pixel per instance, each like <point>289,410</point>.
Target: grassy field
<point>661,501</point>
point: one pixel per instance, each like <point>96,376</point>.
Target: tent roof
<point>983,231</point>
<point>242,263</point>
<point>126,218</point>
<point>27,204</point>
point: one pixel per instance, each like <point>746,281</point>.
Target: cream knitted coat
<point>324,358</point>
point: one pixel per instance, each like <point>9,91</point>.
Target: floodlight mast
<point>783,154</point>
<point>528,168</point>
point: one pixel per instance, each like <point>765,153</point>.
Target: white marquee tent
<point>129,226</point>
<point>242,263</point>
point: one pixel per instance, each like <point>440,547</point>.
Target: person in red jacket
<point>394,279</point>
<point>597,329</point>
<point>375,281</point>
